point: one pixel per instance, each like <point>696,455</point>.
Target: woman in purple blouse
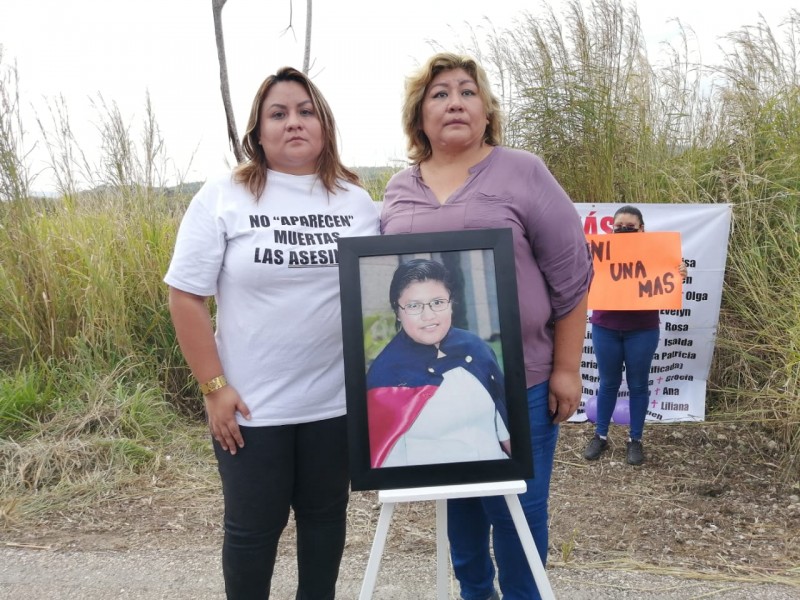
<point>462,178</point>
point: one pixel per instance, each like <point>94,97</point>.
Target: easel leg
<point>442,563</point>
<point>535,562</point>
<point>441,494</point>
<point>374,564</point>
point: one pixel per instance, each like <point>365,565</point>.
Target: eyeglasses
<point>416,308</point>
<point>626,228</point>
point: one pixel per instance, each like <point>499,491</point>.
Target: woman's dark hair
<point>630,210</point>
<point>418,269</point>
<point>330,170</point>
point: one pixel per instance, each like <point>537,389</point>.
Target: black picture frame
<point>488,301</point>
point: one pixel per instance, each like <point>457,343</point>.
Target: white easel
<point>509,489</point>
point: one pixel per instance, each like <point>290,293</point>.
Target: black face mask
<point>626,229</point>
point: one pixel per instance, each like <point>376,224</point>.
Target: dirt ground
<point>710,502</point>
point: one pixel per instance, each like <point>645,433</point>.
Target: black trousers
<point>300,466</point>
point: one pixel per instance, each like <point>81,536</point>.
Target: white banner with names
<point>682,361</point>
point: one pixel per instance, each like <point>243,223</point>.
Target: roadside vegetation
<point>95,399</point>
<point>615,125</point>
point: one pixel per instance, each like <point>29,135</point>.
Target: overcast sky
<point>361,51</point>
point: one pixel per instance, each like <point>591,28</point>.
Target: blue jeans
<point>470,520</point>
<point>613,349</point>
<point>300,466</point>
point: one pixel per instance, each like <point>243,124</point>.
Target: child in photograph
<point>435,393</point>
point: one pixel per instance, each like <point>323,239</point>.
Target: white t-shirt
<point>272,266</point>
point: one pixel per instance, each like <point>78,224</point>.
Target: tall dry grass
<point>14,177</point>
<point>92,385</point>
<point>615,126</point>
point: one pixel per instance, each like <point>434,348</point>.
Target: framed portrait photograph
<point>434,370</point>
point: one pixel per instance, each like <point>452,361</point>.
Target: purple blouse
<point>509,188</point>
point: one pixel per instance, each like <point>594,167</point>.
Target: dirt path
<point>709,515</point>
<point>194,574</point>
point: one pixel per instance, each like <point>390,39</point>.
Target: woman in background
<point>272,373</point>
<point>624,340</point>
<point>463,178</point>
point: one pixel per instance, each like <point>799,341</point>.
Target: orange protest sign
<point>636,271</point>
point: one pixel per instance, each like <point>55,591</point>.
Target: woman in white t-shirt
<point>262,242</point>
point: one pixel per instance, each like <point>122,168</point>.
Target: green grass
<point>26,397</point>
